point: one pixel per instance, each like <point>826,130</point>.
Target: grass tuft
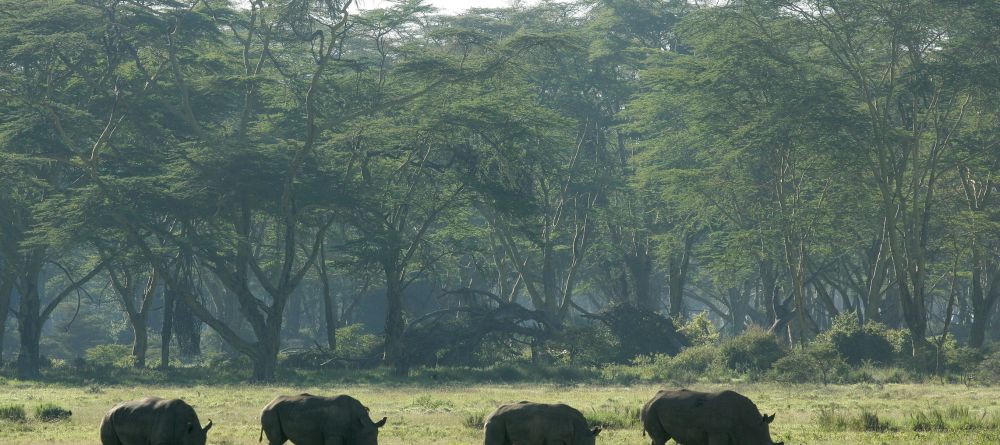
<point>475,420</point>
<point>614,416</point>
<point>867,421</point>
<point>13,413</point>
<point>50,412</point>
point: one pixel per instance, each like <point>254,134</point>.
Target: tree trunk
<point>29,328</point>
<point>6,291</point>
<point>140,342</point>
<point>329,304</point>
<point>294,315</point>
<point>677,267</point>
<point>640,267</point>
<point>188,331</point>
<point>738,310</point>
<point>167,329</point>
<point>266,362</point>
<point>983,299</point>
<point>395,353</point>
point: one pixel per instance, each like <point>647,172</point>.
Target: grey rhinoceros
<point>526,423</point>
<point>700,418</point>
<point>153,421</point>
<point>313,420</point>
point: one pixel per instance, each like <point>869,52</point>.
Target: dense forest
<point>268,179</point>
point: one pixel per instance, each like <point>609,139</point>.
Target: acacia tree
<point>43,44</point>
<point>887,53</point>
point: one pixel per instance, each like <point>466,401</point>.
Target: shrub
<point>873,342</point>
<point>13,413</point>
<point>111,355</point>
<point>799,366</point>
<point>988,371</point>
<point>48,412</point>
<point>691,362</point>
<point>587,345</point>
<point>699,330</point>
<point>955,358</point>
<point>816,363</point>
<point>754,351</point>
<point>639,332</point>
<point>353,343</point>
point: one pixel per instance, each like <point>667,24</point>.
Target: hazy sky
<point>449,6</point>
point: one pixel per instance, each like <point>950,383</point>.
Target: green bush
<point>873,342</point>
<point>753,352</point>
<point>699,330</point>
<point>988,370</point>
<point>816,363</point>
<point>119,356</point>
<point>586,345</point>
<point>955,358</point>
<point>696,360</point>
<point>13,413</point>
<point>48,412</point>
<point>797,367</point>
<point>353,343</point>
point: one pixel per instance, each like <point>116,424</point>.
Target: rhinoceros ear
<point>768,419</point>
<point>381,423</point>
<point>595,431</point>
<point>207,427</point>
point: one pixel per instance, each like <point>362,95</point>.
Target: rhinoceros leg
<point>494,434</point>
<point>334,441</point>
<point>658,437</point>
<point>108,435</point>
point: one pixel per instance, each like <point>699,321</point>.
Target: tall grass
<point>13,413</point>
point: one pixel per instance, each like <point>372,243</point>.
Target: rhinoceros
<point>526,423</point>
<point>153,421</point>
<point>306,419</point>
<point>700,418</point>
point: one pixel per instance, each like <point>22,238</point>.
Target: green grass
<point>452,414</point>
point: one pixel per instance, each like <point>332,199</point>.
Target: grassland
<point>448,414</point>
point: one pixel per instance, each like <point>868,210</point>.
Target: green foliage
<point>873,342</point>
<point>816,363</point>
<point>699,329</point>
<point>988,371</point>
<point>754,351</point>
<point>353,343</point>
<point>50,412</point>
<point>587,345</point>
<point>109,356</point>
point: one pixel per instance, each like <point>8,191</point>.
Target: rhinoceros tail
<point>261,438</point>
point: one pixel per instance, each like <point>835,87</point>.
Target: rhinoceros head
<point>195,434</point>
<point>591,436</point>
<point>765,430</point>
<point>368,435</point>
